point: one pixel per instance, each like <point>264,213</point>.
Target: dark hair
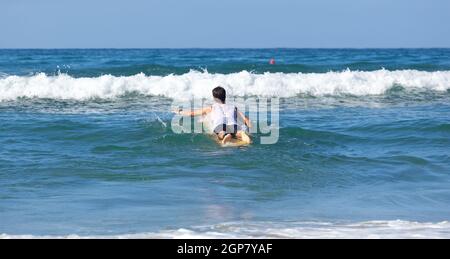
<point>219,93</point>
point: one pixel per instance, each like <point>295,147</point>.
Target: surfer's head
<point>219,94</point>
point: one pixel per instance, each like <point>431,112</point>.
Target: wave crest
<point>363,230</point>
<point>195,84</point>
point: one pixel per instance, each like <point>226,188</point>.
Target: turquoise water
<point>86,146</point>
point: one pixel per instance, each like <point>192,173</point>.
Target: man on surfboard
<point>224,118</point>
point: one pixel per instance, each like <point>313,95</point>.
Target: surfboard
<point>234,142</point>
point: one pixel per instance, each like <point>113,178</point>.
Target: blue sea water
<point>86,147</point>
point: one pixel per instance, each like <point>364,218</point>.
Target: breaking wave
<point>364,230</point>
<point>195,84</point>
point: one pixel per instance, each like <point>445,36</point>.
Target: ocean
<point>87,148</point>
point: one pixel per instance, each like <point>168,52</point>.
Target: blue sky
<point>226,23</point>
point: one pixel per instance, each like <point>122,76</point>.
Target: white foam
<point>197,84</point>
<point>369,229</point>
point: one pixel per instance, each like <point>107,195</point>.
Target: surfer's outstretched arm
<point>194,113</point>
<point>246,120</point>
<point>241,134</point>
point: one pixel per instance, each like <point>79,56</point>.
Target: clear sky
<point>224,23</point>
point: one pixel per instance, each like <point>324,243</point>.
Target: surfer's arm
<point>246,120</point>
<point>193,113</point>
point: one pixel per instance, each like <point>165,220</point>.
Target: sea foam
<point>197,84</point>
<point>365,230</point>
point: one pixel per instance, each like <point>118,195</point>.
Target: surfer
<point>224,118</point>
